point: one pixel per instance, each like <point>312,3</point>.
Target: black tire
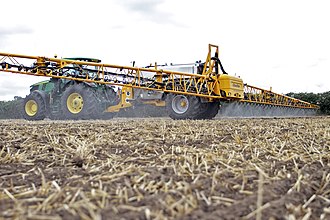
<point>34,107</point>
<point>79,102</point>
<point>211,110</point>
<point>191,108</point>
<point>108,97</point>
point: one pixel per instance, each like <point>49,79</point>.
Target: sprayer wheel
<point>183,107</point>
<point>211,110</point>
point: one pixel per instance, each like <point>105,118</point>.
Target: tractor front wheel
<point>34,107</point>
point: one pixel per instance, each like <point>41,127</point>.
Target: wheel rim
<point>180,104</point>
<point>31,108</point>
<point>75,103</point>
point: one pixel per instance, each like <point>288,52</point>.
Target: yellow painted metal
<point>209,63</point>
<point>126,94</point>
<point>182,83</point>
<point>210,84</point>
<point>31,108</point>
<point>231,87</point>
<point>75,103</point>
<point>254,94</point>
<point>159,76</point>
<point>158,103</point>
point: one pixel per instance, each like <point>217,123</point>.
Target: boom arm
<point>209,85</point>
<point>133,77</point>
<point>257,95</point>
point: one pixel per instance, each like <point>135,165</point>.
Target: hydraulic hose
<point>217,60</point>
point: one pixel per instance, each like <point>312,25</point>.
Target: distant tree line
<point>321,99</point>
<point>11,109</point>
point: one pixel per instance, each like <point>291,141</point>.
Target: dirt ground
<point>157,168</point>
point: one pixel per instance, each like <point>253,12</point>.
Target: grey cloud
<point>322,59</point>
<point>118,27</point>
<point>313,65</point>
<point>6,31</point>
<point>317,62</point>
<point>144,6</point>
<point>10,86</point>
<point>320,85</point>
<point>149,10</point>
<point>9,91</point>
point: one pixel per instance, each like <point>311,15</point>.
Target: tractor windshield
<point>78,70</point>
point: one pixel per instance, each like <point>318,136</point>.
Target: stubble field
<point>164,169</point>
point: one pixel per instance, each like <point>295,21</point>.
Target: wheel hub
<point>180,104</point>
<point>75,103</point>
<point>31,108</point>
<point>34,108</point>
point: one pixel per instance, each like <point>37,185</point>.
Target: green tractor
<point>68,99</point>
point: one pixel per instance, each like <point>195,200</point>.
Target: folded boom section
<point>257,95</point>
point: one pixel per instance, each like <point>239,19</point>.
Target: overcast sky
<point>280,43</point>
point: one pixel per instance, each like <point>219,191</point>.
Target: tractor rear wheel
<point>107,97</point>
<point>79,102</point>
<point>183,107</point>
<point>34,107</point>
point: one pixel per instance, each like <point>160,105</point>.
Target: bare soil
<point>271,168</point>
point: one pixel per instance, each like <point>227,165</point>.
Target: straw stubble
<point>165,169</point>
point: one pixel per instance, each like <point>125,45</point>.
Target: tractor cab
<point>45,86</point>
<point>84,59</point>
<point>78,70</point>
